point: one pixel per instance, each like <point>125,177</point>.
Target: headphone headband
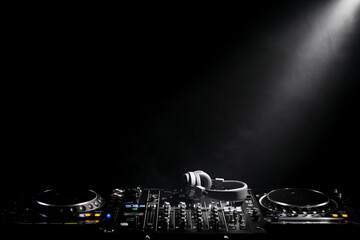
<point>198,183</point>
<point>228,190</point>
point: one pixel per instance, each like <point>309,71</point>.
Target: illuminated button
<point>135,205</point>
<point>142,205</point>
<point>97,214</point>
<point>87,214</point>
<point>344,215</point>
<point>108,216</point>
<point>128,205</point>
<point>91,221</point>
<point>335,215</point>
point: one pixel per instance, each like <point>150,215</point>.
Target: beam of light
<point>313,46</point>
<point>312,56</point>
<point>321,45</point>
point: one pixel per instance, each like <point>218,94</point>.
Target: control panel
<point>153,213</point>
<point>160,211</point>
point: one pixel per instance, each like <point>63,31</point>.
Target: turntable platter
<point>64,198</point>
<point>296,197</point>
<point>71,200</point>
<point>297,200</point>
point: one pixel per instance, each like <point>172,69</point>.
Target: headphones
<point>199,183</point>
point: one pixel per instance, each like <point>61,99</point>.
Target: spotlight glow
<point>312,56</point>
<point>321,40</point>
<point>320,46</point>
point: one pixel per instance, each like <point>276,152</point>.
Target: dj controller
<point>222,209</point>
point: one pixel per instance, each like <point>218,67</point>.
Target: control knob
<point>182,215</point>
<point>255,214</point>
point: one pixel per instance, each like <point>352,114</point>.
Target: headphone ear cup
<point>205,179</point>
<point>189,183</point>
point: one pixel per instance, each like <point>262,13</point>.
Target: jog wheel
<point>67,202</point>
<point>298,201</point>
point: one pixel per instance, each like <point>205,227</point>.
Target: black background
<point>138,95</point>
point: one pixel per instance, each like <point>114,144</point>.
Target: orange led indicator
<point>344,215</point>
<point>97,214</point>
<point>87,214</point>
<point>335,215</point>
<point>91,221</point>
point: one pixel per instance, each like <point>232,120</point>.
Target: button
<point>118,195</point>
<point>124,224</point>
<point>117,190</point>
